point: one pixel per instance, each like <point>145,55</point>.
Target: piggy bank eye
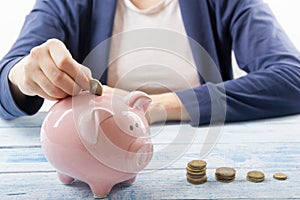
<point>131,127</point>
<point>136,125</point>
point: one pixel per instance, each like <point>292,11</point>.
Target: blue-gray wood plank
<point>271,145</point>
<point>163,184</point>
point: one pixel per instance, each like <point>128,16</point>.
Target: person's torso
<point>150,69</point>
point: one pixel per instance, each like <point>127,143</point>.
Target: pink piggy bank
<point>100,140</point>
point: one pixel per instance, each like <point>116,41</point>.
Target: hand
<point>166,107</point>
<point>49,71</point>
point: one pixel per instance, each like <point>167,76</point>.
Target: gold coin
<point>280,176</point>
<point>197,164</point>
<point>224,177</point>
<point>95,87</point>
<point>225,172</point>
<point>196,170</point>
<point>225,180</point>
<point>255,176</point>
<point>255,180</point>
<point>196,181</point>
<point>202,173</point>
<point>193,176</point>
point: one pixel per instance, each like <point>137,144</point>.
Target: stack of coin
<point>255,176</point>
<point>280,176</point>
<point>225,174</point>
<point>196,172</point>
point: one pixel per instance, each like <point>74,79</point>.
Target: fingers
<point>54,76</point>
<point>47,89</point>
<point>50,71</point>
<point>33,82</point>
<point>41,93</point>
<point>65,63</point>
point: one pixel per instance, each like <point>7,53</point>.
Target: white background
<point>13,12</point>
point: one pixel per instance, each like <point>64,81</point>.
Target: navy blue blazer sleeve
<point>262,49</point>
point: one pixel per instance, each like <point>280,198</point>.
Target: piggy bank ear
<point>98,115</point>
<point>139,100</point>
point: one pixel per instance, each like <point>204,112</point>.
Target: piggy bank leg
<point>100,189</point>
<point>64,178</point>
<point>129,182</point>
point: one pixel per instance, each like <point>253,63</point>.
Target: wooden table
<point>271,145</point>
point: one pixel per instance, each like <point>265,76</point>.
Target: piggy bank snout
<point>141,153</point>
<point>144,154</point>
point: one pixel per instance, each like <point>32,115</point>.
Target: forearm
<point>267,93</point>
